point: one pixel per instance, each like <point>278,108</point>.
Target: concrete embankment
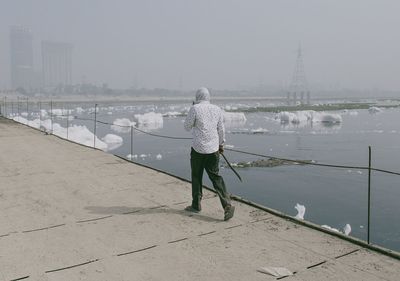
<point>70,212</point>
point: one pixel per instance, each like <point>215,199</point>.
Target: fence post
<point>40,115</point>
<point>51,115</point>
<point>67,121</point>
<point>18,108</point>
<point>131,143</point>
<point>369,193</point>
<point>95,123</point>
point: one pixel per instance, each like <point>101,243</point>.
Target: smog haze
<point>221,44</point>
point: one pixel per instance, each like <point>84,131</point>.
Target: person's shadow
<point>124,210</point>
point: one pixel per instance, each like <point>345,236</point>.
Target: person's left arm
<point>190,118</point>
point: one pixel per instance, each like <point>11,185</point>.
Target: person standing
<point>206,122</point>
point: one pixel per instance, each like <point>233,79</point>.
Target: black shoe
<point>191,209</point>
<point>229,211</point>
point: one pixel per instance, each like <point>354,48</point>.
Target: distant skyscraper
<point>56,63</point>
<point>21,53</point>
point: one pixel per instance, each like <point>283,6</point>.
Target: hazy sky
<point>222,44</point>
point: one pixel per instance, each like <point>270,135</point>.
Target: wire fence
<point>14,110</point>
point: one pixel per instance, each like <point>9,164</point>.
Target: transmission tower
<point>299,86</point>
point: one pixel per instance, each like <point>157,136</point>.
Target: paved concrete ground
<point>73,213</point>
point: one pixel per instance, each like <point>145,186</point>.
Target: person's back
<point>206,120</point>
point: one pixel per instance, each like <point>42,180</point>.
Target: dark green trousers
<point>209,162</point>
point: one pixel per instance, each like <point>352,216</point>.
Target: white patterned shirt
<point>208,132</point>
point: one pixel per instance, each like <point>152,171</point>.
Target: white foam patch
<point>31,123</point>
<point>350,112</point>
<point>79,110</point>
<point>159,157</point>
<point>301,117</point>
<point>259,131</point>
<point>122,125</point>
<point>374,110</point>
<point>44,113</point>
<point>131,157</point>
<point>234,119</point>
<point>301,210</point>
<point>172,114</point>
<point>58,112</point>
<point>294,117</point>
<point>111,138</point>
<point>230,107</point>
<point>76,133</point>
<point>347,229</point>
<point>112,141</point>
<point>79,134</point>
<point>150,120</point>
<point>330,228</point>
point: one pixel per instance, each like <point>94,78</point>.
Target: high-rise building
<point>21,53</point>
<point>56,63</point>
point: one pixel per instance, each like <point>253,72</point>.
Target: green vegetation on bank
<point>269,162</point>
<point>319,107</point>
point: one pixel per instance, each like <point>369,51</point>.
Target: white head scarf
<point>202,94</point>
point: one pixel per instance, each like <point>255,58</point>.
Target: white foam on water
<point>112,141</point>
<point>150,120</point>
<point>79,134</point>
<point>131,157</point>
<point>58,112</point>
<point>234,119</point>
<point>301,117</point>
<point>122,125</point>
<point>172,114</point>
<point>301,210</point>
<point>374,110</point>
<point>347,229</point>
<point>159,157</point>
<point>76,133</point>
<point>330,228</point>
<point>79,110</point>
<point>259,131</point>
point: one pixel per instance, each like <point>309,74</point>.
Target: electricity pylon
<point>299,86</point>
